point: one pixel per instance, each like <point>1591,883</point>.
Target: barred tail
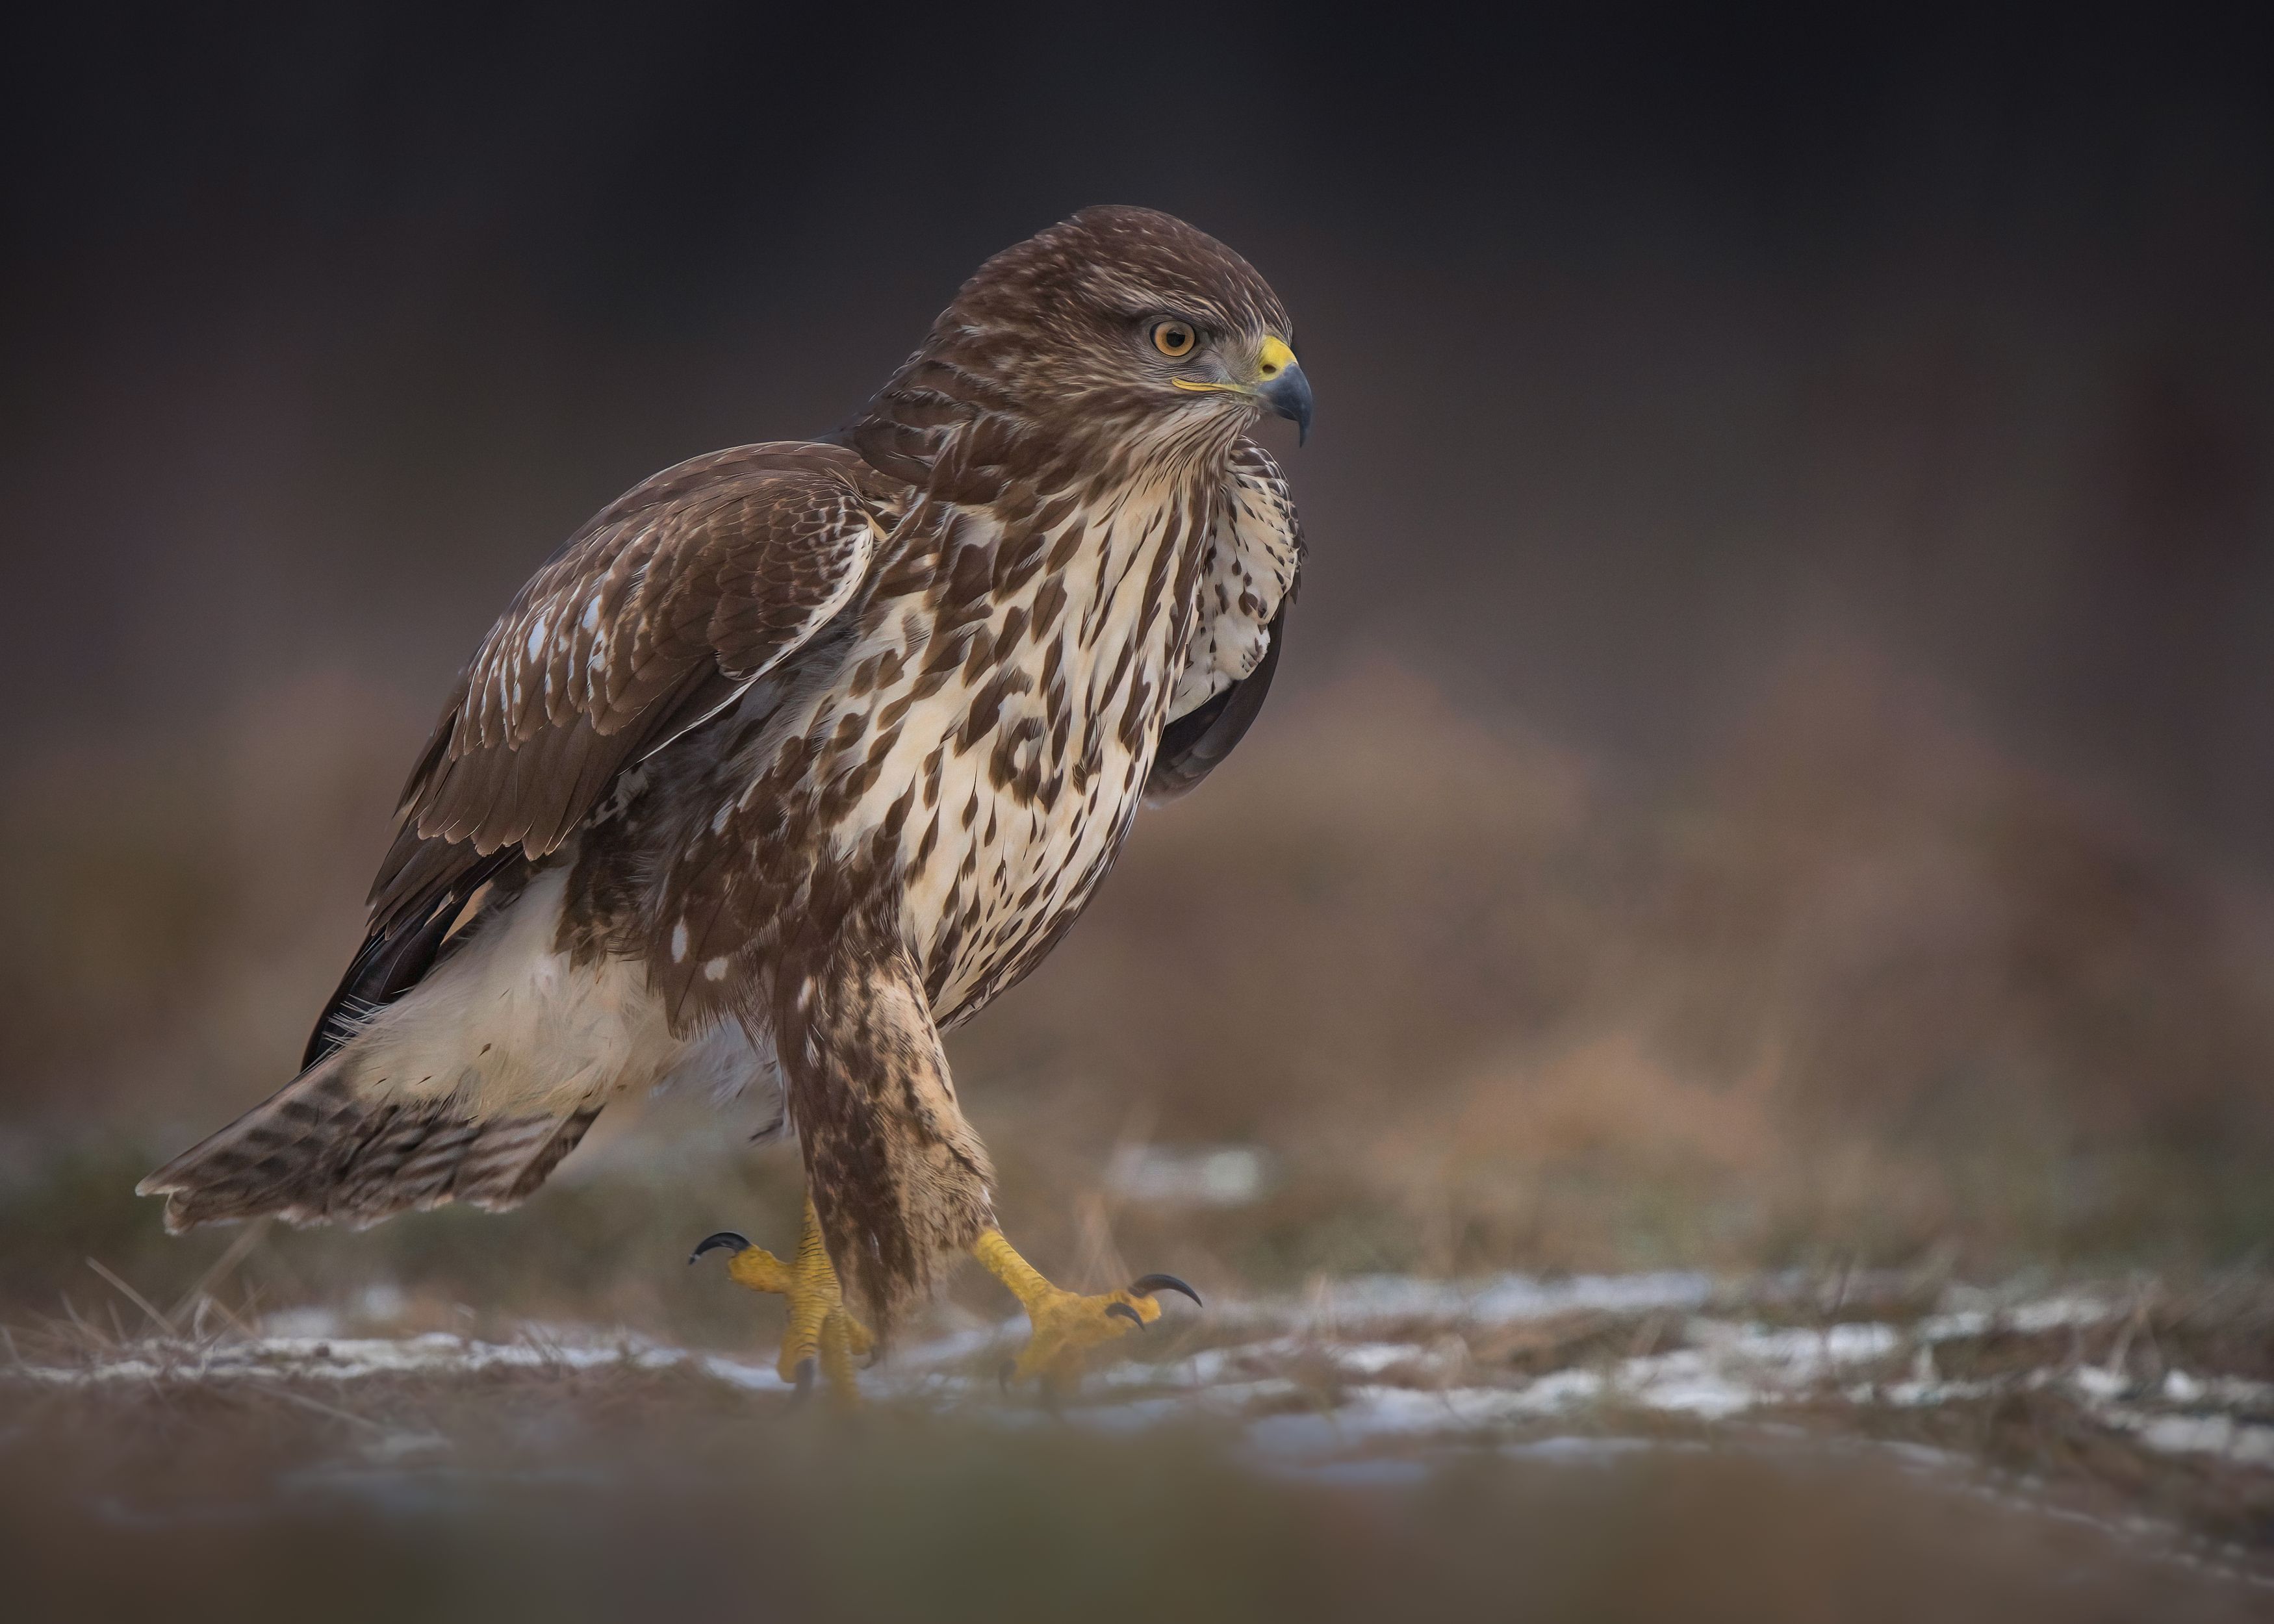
<point>318,1152</point>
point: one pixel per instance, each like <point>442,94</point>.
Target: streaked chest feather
<point>979,740</point>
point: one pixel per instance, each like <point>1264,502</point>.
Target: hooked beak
<point>1284,389</point>
<point>1279,384</point>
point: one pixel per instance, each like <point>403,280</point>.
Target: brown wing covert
<point>687,587</point>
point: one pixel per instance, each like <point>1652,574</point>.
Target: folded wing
<point>653,618</point>
<point>1254,560</point>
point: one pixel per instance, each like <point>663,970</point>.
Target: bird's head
<point>1118,325</point>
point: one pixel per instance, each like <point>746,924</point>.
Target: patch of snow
<point>348,1359</point>
<point>381,1303</point>
<point>1373,1358</point>
<point>1306,1389</point>
<point>1561,1390</point>
<point>2096,1382</point>
<point>742,1373</point>
<point>957,1346</point>
<point>1688,1383</point>
<point>2028,1318</point>
<point>1921,1394</point>
<point>1219,1176</point>
<point>2238,1442</point>
<point>2227,1392</point>
<point>1499,1300</point>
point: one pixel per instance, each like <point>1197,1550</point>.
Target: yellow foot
<point>822,1333</point>
<point>1068,1325</point>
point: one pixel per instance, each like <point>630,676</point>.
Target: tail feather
<point>318,1151</point>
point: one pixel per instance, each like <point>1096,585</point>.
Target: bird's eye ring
<point>1174,339</point>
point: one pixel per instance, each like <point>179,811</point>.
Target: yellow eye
<point>1174,339</point>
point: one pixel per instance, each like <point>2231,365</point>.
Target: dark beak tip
<point>1289,396</point>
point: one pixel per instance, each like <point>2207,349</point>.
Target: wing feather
<point>686,589</point>
<point>721,568</point>
<point>1254,562</point>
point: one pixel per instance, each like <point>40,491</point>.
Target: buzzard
<point>797,755</point>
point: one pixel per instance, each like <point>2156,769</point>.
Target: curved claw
<point>712,1243</point>
<point>1125,1313</point>
<point>806,1367</point>
<point>1150,1283</point>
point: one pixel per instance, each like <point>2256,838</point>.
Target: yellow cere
<point>1273,358</point>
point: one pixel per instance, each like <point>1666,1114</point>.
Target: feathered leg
<point>899,1180</point>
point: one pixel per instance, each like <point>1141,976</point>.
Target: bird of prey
<point>798,754</point>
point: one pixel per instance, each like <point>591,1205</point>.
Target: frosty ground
<point>1775,1443</point>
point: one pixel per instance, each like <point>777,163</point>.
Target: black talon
<point>1126,1312</point>
<point>1151,1284</point>
<point>806,1366</point>
<point>711,1243</point>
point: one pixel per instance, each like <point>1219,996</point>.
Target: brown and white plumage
<point>798,754</point>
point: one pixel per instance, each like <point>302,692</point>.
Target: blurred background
<point>1775,763</point>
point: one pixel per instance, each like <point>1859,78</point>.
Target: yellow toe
<point>1068,1327</point>
<point>821,1335</point>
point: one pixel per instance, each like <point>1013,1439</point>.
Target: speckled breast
<point>980,745</point>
